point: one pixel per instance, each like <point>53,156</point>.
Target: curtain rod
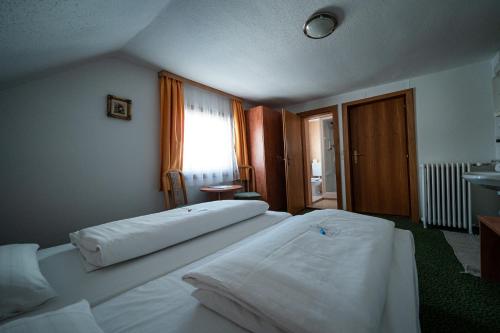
<point>197,84</point>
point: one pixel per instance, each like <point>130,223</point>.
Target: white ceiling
<point>38,36</point>
<point>253,49</point>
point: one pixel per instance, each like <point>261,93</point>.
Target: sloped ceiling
<point>40,36</point>
<point>254,49</point>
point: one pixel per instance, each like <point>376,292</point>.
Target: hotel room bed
<point>166,305</point>
<point>62,265</point>
<point>147,294</point>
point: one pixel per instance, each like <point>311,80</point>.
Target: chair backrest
<point>174,189</point>
<point>247,177</point>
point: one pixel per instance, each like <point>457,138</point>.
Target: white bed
<point>147,294</point>
<point>166,304</point>
<point>62,265</point>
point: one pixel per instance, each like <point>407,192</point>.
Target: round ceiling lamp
<point>320,25</point>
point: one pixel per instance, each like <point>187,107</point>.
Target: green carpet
<point>450,301</point>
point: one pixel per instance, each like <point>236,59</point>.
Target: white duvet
<point>117,241</point>
<point>313,273</point>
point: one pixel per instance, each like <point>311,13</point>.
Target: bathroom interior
<point>323,192</point>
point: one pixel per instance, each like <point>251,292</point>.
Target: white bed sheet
<point>166,304</point>
<point>63,268</point>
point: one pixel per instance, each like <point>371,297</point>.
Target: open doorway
<point>321,159</point>
<point>321,156</point>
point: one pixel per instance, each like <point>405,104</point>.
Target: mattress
<point>62,265</point>
<point>166,305</point>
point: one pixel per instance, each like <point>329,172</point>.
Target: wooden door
<point>379,157</point>
<point>275,165</point>
<point>294,173</point>
<point>265,147</point>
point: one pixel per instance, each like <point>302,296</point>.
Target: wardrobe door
<point>275,164</point>
<point>294,168</point>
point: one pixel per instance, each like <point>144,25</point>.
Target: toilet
<point>316,178</point>
<point>316,186</point>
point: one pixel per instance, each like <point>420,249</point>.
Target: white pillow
<point>22,285</point>
<point>76,318</point>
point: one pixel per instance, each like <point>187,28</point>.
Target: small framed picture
<point>119,108</point>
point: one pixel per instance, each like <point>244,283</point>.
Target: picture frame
<point>120,108</point>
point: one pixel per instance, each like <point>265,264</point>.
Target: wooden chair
<point>248,184</point>
<point>175,196</point>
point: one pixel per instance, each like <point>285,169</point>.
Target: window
<point>208,138</point>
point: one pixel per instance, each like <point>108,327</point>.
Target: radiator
<point>446,195</point>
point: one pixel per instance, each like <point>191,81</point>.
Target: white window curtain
<point>209,156</point>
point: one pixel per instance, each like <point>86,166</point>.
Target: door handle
<point>355,155</point>
<point>285,159</point>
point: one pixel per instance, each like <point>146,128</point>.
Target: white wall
<point>64,164</point>
<point>454,111</point>
<point>455,116</point>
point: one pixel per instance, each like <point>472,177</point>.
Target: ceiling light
<point>320,25</point>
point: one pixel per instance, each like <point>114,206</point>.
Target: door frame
<point>411,143</point>
<point>305,116</point>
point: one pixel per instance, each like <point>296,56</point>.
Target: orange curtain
<point>172,124</point>
<point>240,135</point>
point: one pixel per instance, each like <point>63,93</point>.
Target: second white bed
<point>166,304</point>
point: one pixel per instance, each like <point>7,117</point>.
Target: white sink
<point>488,179</point>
